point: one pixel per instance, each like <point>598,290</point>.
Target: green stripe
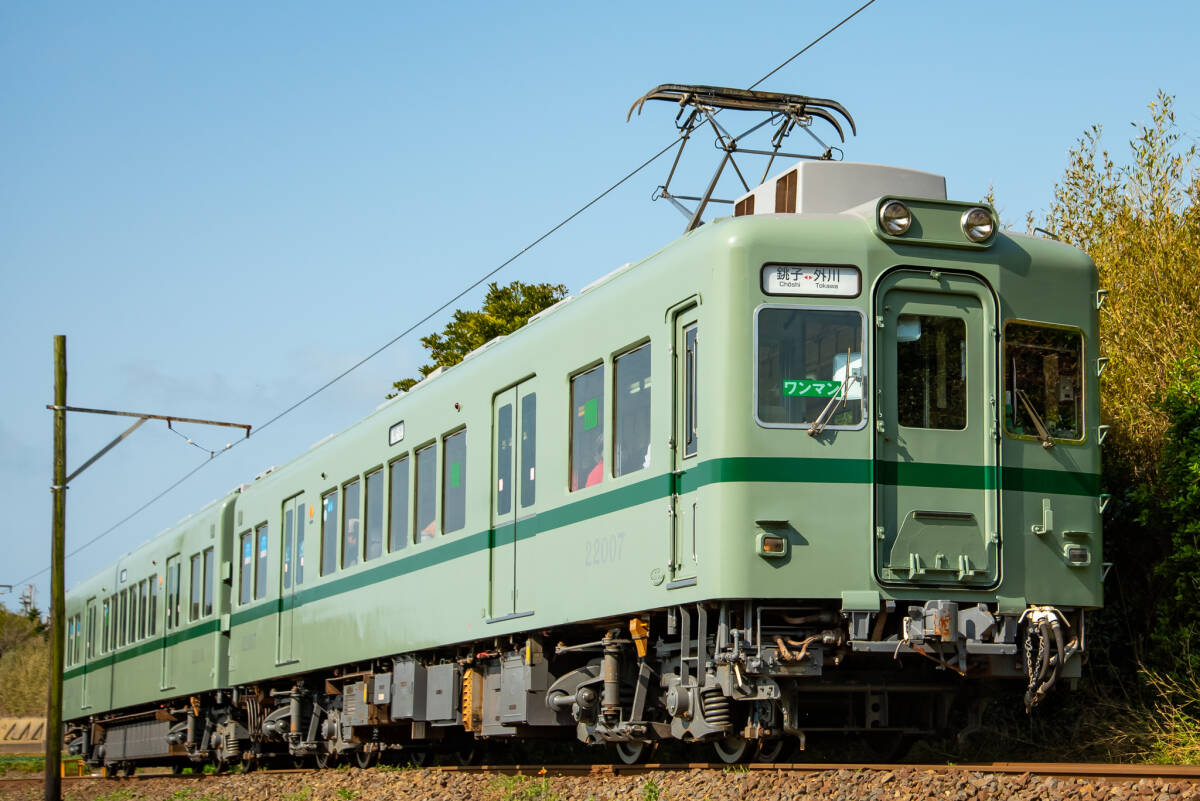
<point>944,476</point>
<point>713,471</point>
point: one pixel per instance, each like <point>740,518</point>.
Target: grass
<point>523,788</point>
<point>303,794</point>
<point>651,791</point>
<point>31,764</point>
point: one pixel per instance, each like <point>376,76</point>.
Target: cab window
<point>1043,381</point>
<point>810,365</point>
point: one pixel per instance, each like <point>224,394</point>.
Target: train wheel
<point>417,757</point>
<point>769,750</point>
<point>470,754</point>
<point>325,759</point>
<point>733,749</point>
<point>366,759</point>
<point>635,752</point>
<point>250,763</point>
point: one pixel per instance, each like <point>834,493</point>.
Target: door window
<point>528,449</point>
<point>691,437</point>
<point>504,455</point>
<point>931,371</point>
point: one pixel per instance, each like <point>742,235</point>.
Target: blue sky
<point>224,205</point>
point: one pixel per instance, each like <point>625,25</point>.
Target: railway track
<point>1081,770</point>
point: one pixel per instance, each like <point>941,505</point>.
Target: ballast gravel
<point>899,784</point>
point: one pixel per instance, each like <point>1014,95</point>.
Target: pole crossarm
<point>142,418</point>
<point>147,416</point>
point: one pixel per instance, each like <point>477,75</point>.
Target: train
<point>829,464</point>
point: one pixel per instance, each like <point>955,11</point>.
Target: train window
<point>260,563</point>
<point>289,516</point>
<point>105,616</point>
<point>70,649</point>
<point>931,372</point>
<point>122,616</point>
<point>631,407</point>
<point>454,482</point>
<point>143,608</point>
<point>299,564</point>
<point>398,508</point>
<point>351,524</point>
<point>504,459</point>
<point>528,449</point>
<point>691,341</point>
<point>246,584</point>
<point>209,580</point>
<point>173,592</point>
<point>1043,381</point>
<point>197,582</point>
<point>151,623</point>
<point>373,514</point>
<point>89,648</point>
<point>587,428</point>
<point>329,519</point>
<point>426,492</point>
<point>809,364</point>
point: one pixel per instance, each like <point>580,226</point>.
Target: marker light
<point>772,546</point>
<point>978,225</point>
<point>895,218</point>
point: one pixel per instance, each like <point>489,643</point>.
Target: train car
<point>818,466</point>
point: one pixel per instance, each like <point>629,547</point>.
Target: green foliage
<point>1171,507</point>
<point>1140,223</point>
<point>303,794</point>
<point>345,793</point>
<point>651,791</point>
<point>523,788</point>
<point>24,664</point>
<point>505,309</point>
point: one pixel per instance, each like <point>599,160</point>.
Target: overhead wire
<point>430,315</point>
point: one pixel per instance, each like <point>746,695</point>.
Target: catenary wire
<point>434,313</point>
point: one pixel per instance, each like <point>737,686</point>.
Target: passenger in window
<point>590,463</point>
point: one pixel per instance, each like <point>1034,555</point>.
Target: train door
<point>89,651</point>
<point>514,499</point>
<point>685,445</point>
<point>936,431</point>
<point>171,621</point>
<point>291,575</point>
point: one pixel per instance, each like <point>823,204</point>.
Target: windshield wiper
<point>1042,433</point>
<point>823,418</point>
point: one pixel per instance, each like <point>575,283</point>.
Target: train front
<point>910,456</point>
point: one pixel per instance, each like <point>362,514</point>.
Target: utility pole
<point>54,721</point>
<point>54,725</point>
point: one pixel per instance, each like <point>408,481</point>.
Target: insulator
<point>718,708</point>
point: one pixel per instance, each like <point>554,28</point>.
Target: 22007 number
<point>603,550</point>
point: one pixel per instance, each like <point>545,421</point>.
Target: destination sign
<point>813,280</point>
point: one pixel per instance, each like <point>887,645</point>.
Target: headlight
<point>978,224</point>
<point>895,218</point>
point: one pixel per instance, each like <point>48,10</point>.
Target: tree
<point>1140,223</point>
<point>505,309</point>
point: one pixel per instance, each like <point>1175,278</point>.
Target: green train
<point>819,466</point>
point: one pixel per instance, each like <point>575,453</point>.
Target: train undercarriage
<point>749,677</point>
